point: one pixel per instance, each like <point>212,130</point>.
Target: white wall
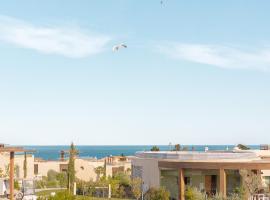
<point>150,171</point>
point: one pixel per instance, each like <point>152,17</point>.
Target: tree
<point>100,171</point>
<point>157,194</point>
<point>252,181</point>
<point>243,147</point>
<point>2,175</point>
<point>136,187</point>
<point>25,166</point>
<point>71,167</point>
<point>62,179</point>
<point>177,147</point>
<point>155,148</point>
<point>51,175</point>
<point>122,193</point>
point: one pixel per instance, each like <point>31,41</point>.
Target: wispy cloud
<point>65,41</point>
<point>219,55</point>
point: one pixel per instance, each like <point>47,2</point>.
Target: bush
<point>59,196</point>
<point>218,197</point>
<point>157,194</point>
<point>155,148</point>
<point>52,180</point>
<point>193,193</point>
<point>243,147</point>
<point>40,184</point>
<point>62,179</point>
<point>51,175</point>
<point>16,185</point>
<point>235,196</point>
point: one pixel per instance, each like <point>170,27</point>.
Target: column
<point>222,182</point>
<point>11,175</point>
<point>181,181</point>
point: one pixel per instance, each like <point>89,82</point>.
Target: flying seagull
<point>119,46</point>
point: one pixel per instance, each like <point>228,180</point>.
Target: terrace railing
<point>259,197</point>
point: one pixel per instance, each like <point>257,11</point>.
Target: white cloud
<point>66,41</point>
<point>219,56</point>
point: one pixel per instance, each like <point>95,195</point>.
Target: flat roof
<point>14,149</point>
<point>198,156</point>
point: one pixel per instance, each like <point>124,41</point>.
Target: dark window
<point>187,181</point>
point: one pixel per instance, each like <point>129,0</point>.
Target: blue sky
<point>193,73</point>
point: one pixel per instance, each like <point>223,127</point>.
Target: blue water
<point>53,152</point>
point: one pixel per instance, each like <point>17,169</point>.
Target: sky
<point>194,72</point>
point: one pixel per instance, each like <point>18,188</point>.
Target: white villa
<point>210,171</point>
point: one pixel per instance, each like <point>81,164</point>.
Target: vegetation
<point>136,186</point>
<point>2,174</point>
<point>177,147</point>
<point>6,173</point>
<point>193,193</point>
<point>252,181</point>
<point>52,180</point>
<point>155,148</point>
<point>157,194</point>
<point>71,168</point>
<point>152,194</point>
<point>243,147</point>
<point>16,185</point>
<point>120,186</point>
<point>65,195</point>
<point>100,171</point>
<point>25,166</point>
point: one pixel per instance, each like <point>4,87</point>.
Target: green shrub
<point>193,193</point>
<point>51,175</point>
<point>155,148</point>
<point>59,196</point>
<point>16,185</point>
<point>235,196</point>
<point>218,197</point>
<point>157,194</point>
<point>52,184</point>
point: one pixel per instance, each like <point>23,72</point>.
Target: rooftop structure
<point>210,171</point>
<point>198,156</point>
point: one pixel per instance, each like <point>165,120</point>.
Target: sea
<point>53,152</point>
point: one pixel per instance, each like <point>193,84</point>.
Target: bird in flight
<point>119,46</point>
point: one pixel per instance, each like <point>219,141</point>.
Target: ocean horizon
<point>52,152</point>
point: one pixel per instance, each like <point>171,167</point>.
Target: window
<point>187,181</point>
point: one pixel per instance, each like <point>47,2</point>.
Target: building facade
<point>85,167</point>
<point>210,172</point>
